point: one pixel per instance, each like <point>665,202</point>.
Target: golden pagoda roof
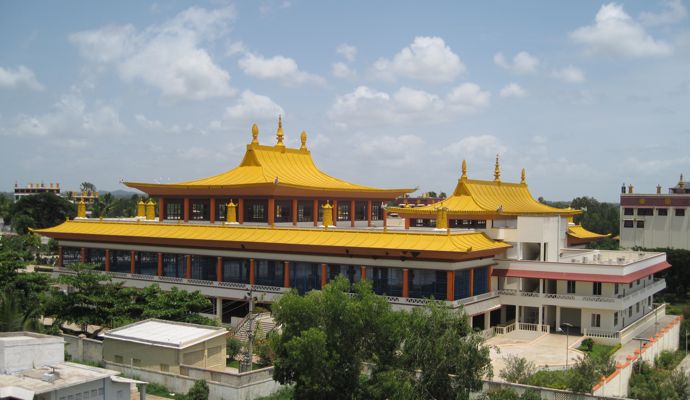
<point>275,169</point>
<point>579,232</point>
<point>488,198</point>
<point>234,237</point>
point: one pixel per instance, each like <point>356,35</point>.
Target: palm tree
<point>13,318</point>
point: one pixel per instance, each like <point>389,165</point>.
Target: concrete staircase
<point>263,324</point>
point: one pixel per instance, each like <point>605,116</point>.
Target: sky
<point>584,95</point>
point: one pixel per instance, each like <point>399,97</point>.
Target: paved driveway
<point>543,349</point>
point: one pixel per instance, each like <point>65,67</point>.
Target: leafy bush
<point>550,379</point>
<point>517,369</point>
<point>668,360</point>
<point>199,391</point>
<point>587,344</point>
<point>233,347</point>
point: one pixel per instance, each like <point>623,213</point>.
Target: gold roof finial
<point>497,171</point>
<point>681,182</point>
<point>522,176</point>
<point>279,134</point>
<point>255,134</point>
<point>464,170</point>
<point>303,138</point>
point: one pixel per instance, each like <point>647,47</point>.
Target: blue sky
<point>585,95</point>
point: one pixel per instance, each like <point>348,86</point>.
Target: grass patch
<point>285,393</point>
<point>550,379</point>
<point>236,364</point>
<point>156,389</point>
<point>599,350</point>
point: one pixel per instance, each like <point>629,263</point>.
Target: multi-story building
<point>35,188</point>
<point>490,247</point>
<point>659,220</point>
<point>33,367</point>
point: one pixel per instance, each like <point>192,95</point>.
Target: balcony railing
<point>618,302</point>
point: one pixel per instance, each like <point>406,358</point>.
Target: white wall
<point>21,350</point>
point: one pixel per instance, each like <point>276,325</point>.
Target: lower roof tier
<point>420,246</point>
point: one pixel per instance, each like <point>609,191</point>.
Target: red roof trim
<point>569,276</point>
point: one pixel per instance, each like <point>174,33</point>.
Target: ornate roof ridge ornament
<point>279,133</point>
<point>497,170</point>
<point>255,134</point>
<point>303,139</point>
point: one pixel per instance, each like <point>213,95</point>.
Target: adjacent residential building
<point>164,346</point>
<point>657,220</point>
<point>35,188</point>
<point>490,247</point>
<point>32,366</point>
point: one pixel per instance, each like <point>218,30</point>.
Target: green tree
<point>41,210</point>
<point>91,298</point>
<point>13,316</point>
<point>329,336</point>
<point>517,369</point>
<point>449,356</point>
<point>199,391</point>
<point>326,337</point>
<point>176,305</point>
<point>87,186</point>
<point>588,370</point>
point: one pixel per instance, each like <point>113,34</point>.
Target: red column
<point>212,211</point>
<point>251,271</point>
<point>407,223</point>
<point>161,209</point>
<point>406,282</point>
<point>82,255</point>
<point>352,213</point>
<point>450,285</point>
<point>61,257</point>
<point>335,212</point>
<point>368,212</point>
<point>294,212</point>
<point>323,275</point>
<point>472,282</point>
<point>188,271</point>
<point>316,213</point>
<point>160,264</point>
<point>107,260</point>
<point>488,273</point>
<point>185,212</point>
<point>240,211</point>
<point>363,273</point>
<point>132,262</point>
<point>286,274</point>
<point>271,211</point>
<point>385,218</point>
<point>219,269</point>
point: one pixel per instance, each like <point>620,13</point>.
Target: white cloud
<point>71,118</point>
<point>365,106</point>
<point>267,7</point>
<point>168,57</point>
<point>476,147</point>
<point>674,11</point>
<point>254,106</point>
<point>343,71</point>
<point>616,33</point>
<point>283,69</point>
<point>427,59</point>
<point>523,63</point>
<point>512,90</point>
<point>393,151</point>
<point>468,98</point>
<point>348,52</point>
<point>569,74</point>
<point>21,75</point>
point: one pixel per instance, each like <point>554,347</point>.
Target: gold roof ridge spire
<point>279,133</point>
<point>303,138</point>
<point>497,170</point>
<point>255,134</point>
<point>464,170</point>
<point>681,182</point>
<point>523,177</point>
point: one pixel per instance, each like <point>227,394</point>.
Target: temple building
<point>273,185</point>
<point>656,220</point>
<point>276,223</point>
